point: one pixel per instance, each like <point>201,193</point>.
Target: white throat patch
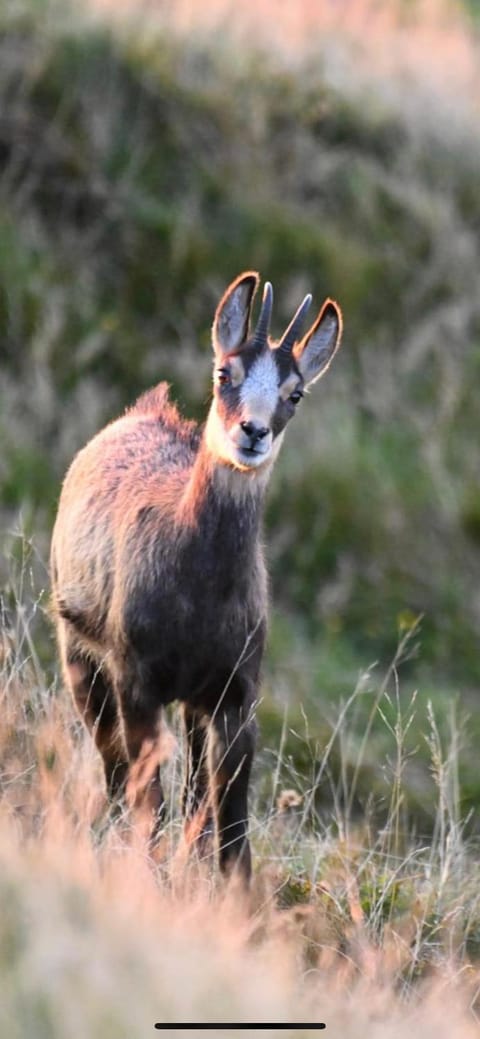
<point>259,392</point>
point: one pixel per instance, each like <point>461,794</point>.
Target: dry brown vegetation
<point>364,931</point>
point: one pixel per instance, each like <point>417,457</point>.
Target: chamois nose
<point>253,431</point>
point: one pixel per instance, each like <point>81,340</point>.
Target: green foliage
<point>137,176</point>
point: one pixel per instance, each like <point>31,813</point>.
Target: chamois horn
<point>291,335</point>
<point>263,324</point>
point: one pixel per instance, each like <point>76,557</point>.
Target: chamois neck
<point>215,487</point>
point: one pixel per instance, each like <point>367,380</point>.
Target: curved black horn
<point>291,335</point>
<point>263,324</point>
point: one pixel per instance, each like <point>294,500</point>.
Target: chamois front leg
<point>231,748</point>
<point>143,727</point>
<point>196,803</point>
<point>95,701</point>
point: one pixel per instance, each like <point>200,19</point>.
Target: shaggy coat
<point>158,577</point>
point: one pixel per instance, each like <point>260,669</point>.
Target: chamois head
<point>257,382</point>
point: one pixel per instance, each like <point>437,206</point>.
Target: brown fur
<point>160,592</point>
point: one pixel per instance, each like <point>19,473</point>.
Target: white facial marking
<point>259,392</point>
<point>223,447</point>
<point>289,385</point>
<point>217,437</point>
<point>237,371</point>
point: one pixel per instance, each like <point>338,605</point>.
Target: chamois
<point>159,584</point>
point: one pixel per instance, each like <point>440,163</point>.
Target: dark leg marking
<point>231,748</point>
<point>95,701</point>
<point>196,804</point>
<point>142,725</point>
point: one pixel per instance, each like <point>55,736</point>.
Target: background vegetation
<point>142,166</point>
<point>141,170</point>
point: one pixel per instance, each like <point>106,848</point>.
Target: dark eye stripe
<point>223,376</point>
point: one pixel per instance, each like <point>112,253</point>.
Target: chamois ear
<point>232,317</point>
<point>316,350</point>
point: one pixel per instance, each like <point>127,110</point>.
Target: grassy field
<point>143,164</point>
<point>368,931</point>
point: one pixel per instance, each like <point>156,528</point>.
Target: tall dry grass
<point>366,932</point>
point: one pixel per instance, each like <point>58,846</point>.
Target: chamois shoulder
<point>155,404</point>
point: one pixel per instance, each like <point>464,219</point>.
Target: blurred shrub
<point>137,176</point>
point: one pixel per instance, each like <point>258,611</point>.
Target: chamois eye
<point>296,396</point>
<point>223,377</point>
